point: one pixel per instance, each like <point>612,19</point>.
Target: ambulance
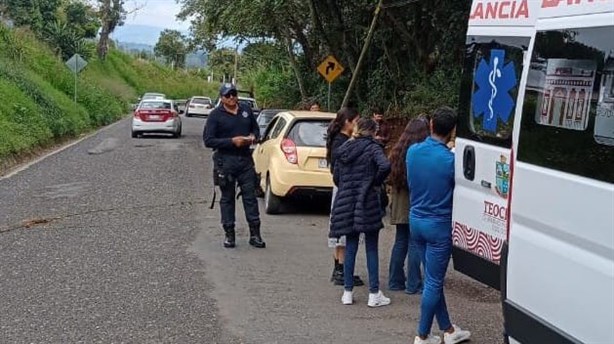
<point>534,199</point>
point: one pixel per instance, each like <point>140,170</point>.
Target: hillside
<point>36,93</point>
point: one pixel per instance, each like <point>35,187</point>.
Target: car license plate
<point>154,117</point>
<point>322,163</point>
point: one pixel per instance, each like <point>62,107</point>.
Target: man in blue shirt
<point>430,176</point>
<point>230,130</point>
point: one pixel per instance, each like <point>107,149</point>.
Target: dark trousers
<point>239,170</point>
<point>351,249</point>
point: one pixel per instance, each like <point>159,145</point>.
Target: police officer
<point>230,130</point>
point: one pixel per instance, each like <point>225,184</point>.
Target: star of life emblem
<point>492,100</point>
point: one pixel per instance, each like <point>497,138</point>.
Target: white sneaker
<point>347,298</point>
<point>459,335</point>
<point>429,340</point>
<point>378,300</point>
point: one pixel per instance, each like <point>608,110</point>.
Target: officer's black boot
<point>254,236</point>
<point>229,240</point>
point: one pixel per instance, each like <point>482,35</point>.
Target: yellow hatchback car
<point>291,157</point>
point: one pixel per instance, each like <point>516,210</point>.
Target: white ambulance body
<point>534,198</point>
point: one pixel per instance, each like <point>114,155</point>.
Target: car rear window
<point>156,105</point>
<point>310,133</point>
<point>201,101</point>
<point>249,103</point>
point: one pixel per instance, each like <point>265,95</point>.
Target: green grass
<point>36,88</point>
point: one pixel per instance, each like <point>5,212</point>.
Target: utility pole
<point>363,53</point>
<point>234,79</point>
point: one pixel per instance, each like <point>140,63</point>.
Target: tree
<point>82,18</point>
<point>112,14</point>
<point>173,46</point>
<point>35,14</point>
<point>63,24</point>
<point>222,62</point>
<point>413,40</point>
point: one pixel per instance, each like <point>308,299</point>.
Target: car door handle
<point>469,163</point>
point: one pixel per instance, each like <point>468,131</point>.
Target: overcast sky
<point>160,13</point>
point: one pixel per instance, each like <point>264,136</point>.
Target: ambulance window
<point>493,66</point>
<point>568,111</point>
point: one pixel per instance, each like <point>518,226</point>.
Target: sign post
<point>76,64</point>
<point>330,69</point>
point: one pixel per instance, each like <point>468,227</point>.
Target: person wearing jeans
<point>430,177</point>
<point>351,249</point>
<point>404,249</point>
<point>360,169</point>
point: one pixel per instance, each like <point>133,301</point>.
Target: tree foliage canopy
<point>415,43</point>
<point>64,24</point>
<point>173,46</point>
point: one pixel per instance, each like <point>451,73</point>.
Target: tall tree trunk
<point>350,51</point>
<point>295,68</point>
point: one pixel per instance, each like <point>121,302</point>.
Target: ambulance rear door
<point>496,52</point>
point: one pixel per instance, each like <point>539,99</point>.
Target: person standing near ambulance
<point>430,177</point>
<point>230,130</point>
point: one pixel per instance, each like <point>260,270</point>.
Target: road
<point>111,240</point>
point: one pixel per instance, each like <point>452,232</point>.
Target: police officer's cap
<point>226,88</point>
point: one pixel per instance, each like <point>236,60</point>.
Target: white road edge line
<point>36,161</point>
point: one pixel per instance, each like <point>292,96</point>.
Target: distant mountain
<point>142,34</point>
<point>137,38</point>
<point>197,59</point>
<point>129,46</point>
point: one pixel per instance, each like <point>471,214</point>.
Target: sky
<point>160,13</point>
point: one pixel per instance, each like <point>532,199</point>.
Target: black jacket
<point>360,169</point>
<point>222,126</point>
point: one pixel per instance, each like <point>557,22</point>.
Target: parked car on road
<point>251,102</point>
<point>291,157</point>
<point>151,95</point>
<point>198,106</point>
<point>148,96</point>
<point>156,116</point>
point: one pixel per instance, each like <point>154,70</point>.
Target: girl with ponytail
<point>339,131</point>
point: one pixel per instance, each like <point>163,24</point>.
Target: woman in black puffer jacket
<point>360,169</point>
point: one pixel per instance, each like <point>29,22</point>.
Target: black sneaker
<point>338,280</point>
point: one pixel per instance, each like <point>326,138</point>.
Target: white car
<point>156,117</point>
<point>198,106</point>
<point>251,102</point>
<point>151,95</point>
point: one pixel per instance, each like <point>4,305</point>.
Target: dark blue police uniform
<point>234,165</point>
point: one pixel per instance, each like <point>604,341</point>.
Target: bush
<point>37,90</point>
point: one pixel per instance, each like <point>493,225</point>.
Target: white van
<point>534,199</point>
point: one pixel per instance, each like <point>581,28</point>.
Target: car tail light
<point>192,106</point>
<point>169,115</point>
<point>289,149</point>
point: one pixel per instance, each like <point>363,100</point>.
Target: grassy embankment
<point>36,93</point>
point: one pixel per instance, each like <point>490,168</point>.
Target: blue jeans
<point>351,249</point>
<point>405,248</point>
<point>435,239</point>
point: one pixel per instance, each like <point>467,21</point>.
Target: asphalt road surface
<point>111,241</point>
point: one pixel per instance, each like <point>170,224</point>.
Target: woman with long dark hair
<point>360,169</point>
<point>417,130</point>
<point>339,131</point>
